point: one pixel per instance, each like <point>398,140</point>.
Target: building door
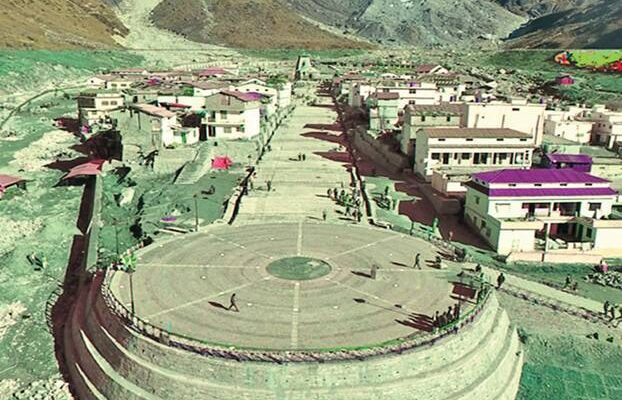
<point>445,158</point>
<point>184,139</point>
<point>212,131</point>
<point>203,132</point>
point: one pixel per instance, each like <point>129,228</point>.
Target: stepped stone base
<point>109,361</point>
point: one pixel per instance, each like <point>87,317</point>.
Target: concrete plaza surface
<point>299,188</point>
<point>185,286</point>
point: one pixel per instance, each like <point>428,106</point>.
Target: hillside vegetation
<point>55,24</point>
<point>255,24</point>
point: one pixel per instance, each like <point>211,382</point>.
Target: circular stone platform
<point>298,268</point>
<point>298,286</point>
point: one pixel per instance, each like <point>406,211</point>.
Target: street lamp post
<point>196,213</point>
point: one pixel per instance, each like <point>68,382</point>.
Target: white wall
<point>520,117</point>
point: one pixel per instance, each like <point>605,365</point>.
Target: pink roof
<point>213,71</point>
<point>565,175</point>
<point>245,97</point>
<point>221,163</point>
<point>155,110</point>
<point>387,95</point>
<point>92,167</point>
<point>7,180</point>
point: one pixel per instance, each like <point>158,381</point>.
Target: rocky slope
<point>53,24</point>
<point>256,24</point>
<point>569,24</point>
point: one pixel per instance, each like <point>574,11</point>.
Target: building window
<point>449,118</point>
<point>588,232</point>
<point>423,118</point>
<point>588,184</point>
<point>594,206</point>
<point>227,129</point>
<point>538,185</point>
<point>105,103</point>
<point>469,139</point>
<point>483,224</point>
<point>412,91</point>
<point>441,139</point>
<point>563,184</point>
<point>436,156</point>
<point>515,109</point>
<point>512,185</point>
<point>499,139</point>
<point>523,140</point>
<point>466,156</point>
<point>476,200</point>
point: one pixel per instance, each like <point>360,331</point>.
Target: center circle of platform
<point>298,268</point>
<point>297,286</point>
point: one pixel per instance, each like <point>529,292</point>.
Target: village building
<point>232,115</point>
<point>305,69</point>
<point>383,111</point>
<point>96,105</point>
<point>460,148</point>
<point>213,72</point>
<point>578,162</point>
<point>568,124</point>
<point>543,209</point>
<point>413,93</point>
<point>606,127</point>
<point>359,93</point>
<point>431,69</point>
<point>115,82</point>
<point>432,116</point>
<point>280,96</point>
<point>517,115</point>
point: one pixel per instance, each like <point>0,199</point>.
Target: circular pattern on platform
<point>185,286</point>
<point>298,268</point>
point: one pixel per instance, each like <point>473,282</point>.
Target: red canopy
<point>92,167</point>
<point>7,180</point>
<point>221,163</point>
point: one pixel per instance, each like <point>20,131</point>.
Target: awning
<point>92,167</point>
<point>221,163</point>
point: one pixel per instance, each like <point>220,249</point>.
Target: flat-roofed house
<point>518,115</point>
<point>233,115</point>
<point>452,148</point>
<point>97,105</point>
<point>413,93</point>
<point>432,116</point>
<point>543,209</point>
<point>383,111</point>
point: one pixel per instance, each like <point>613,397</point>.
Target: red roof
<point>92,167</point>
<point>7,180</point>
<point>213,71</point>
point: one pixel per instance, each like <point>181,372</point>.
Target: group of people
<point>351,201</point>
<point>571,284</point>
<point>451,315</point>
<point>609,310</point>
<point>302,157</point>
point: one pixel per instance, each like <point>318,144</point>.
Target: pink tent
<point>92,167</point>
<point>6,181</point>
<point>221,163</point>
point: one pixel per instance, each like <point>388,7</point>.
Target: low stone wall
<point>377,151</point>
<point>135,362</point>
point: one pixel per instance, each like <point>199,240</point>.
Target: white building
<point>233,115</point>
<point>459,148</point>
<point>606,128</point>
<point>413,93</point>
<point>518,115</point>
<point>568,124</point>
<point>164,127</point>
<point>96,105</point>
<point>543,209</point>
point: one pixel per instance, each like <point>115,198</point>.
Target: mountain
<point>568,23</point>
<point>53,24</point>
<point>414,22</point>
<point>256,24</point>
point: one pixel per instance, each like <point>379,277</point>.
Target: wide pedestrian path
<point>299,188</point>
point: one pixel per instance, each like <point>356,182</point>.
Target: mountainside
<point>255,24</point>
<point>53,24</point>
<point>569,24</point>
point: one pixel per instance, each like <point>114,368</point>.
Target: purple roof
<point>565,175</point>
<point>552,192</point>
<point>243,96</point>
<point>569,158</point>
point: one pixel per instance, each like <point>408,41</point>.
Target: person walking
<point>612,310</point>
<point>606,306</point>
<point>269,185</point>
<point>373,272</point>
<point>304,157</point>
<point>233,304</point>
<point>500,280</point>
<point>324,215</point>
<point>417,264</point>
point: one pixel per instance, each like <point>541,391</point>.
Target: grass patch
<point>555,276</point>
<point>595,58</point>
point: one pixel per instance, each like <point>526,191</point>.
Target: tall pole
<point>196,213</point>
<point>132,291</point>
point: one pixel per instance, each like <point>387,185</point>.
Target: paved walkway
<point>299,187</point>
<point>545,291</point>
